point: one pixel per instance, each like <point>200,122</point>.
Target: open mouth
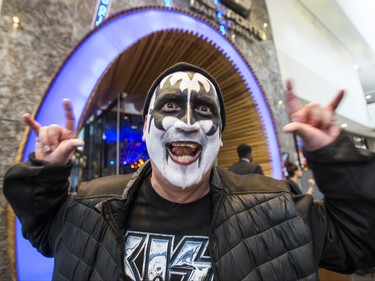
<point>184,153</point>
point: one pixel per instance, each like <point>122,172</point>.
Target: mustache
<point>176,135</point>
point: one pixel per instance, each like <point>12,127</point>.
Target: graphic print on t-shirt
<point>153,256</point>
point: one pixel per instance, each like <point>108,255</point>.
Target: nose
<point>186,123</point>
<point>186,127</point>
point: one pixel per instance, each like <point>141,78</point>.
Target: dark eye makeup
<point>204,110</point>
<point>170,107</point>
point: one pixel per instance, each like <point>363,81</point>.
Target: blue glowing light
<point>168,3</point>
<point>222,29</point>
<point>133,146</point>
<point>219,15</point>
<point>86,65</point>
<point>126,132</point>
<point>101,11</point>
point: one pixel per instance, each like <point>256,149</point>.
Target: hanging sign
<point>233,21</point>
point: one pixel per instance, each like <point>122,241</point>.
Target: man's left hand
<point>314,123</point>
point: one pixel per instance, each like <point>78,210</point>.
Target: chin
<point>183,163</point>
<point>182,176</point>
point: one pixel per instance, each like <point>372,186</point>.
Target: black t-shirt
<point>166,240</point>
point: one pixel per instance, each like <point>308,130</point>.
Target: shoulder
<point>110,186</point>
<point>240,167</point>
<point>235,164</point>
<point>251,182</point>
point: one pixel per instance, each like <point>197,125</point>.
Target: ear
<point>221,143</point>
<point>144,129</point>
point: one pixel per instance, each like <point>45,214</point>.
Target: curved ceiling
<point>136,68</point>
<point>116,58</point>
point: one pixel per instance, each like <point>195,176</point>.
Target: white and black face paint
<point>183,130</point>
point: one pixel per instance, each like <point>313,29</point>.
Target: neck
<point>177,194</point>
<point>294,178</point>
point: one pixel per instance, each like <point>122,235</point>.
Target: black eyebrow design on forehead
<point>169,96</point>
<point>169,93</point>
<point>205,98</point>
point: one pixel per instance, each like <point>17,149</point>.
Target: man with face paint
<point>180,217</point>
<point>183,131</point>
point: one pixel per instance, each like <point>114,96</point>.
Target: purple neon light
<point>79,75</point>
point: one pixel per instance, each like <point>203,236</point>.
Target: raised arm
<point>343,224</point>
<point>311,187</point>
<point>314,123</point>
<point>38,189</point>
<point>54,143</point>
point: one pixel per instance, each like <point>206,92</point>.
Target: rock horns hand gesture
<point>55,144</point>
<point>314,123</point>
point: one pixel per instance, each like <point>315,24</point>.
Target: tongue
<point>182,150</point>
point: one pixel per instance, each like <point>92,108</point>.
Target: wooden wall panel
<point>135,69</point>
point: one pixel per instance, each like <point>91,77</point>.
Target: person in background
<point>294,175</point>
<point>245,163</point>
<point>180,216</point>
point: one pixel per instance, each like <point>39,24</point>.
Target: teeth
<point>184,158</point>
<point>192,145</point>
<point>184,153</point>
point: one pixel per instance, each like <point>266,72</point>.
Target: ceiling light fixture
<point>16,20</point>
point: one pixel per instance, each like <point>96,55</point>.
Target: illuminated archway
<point>79,74</point>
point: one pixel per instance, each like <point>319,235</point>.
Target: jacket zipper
<point>117,233</point>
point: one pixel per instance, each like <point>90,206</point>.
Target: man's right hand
<point>55,144</point>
